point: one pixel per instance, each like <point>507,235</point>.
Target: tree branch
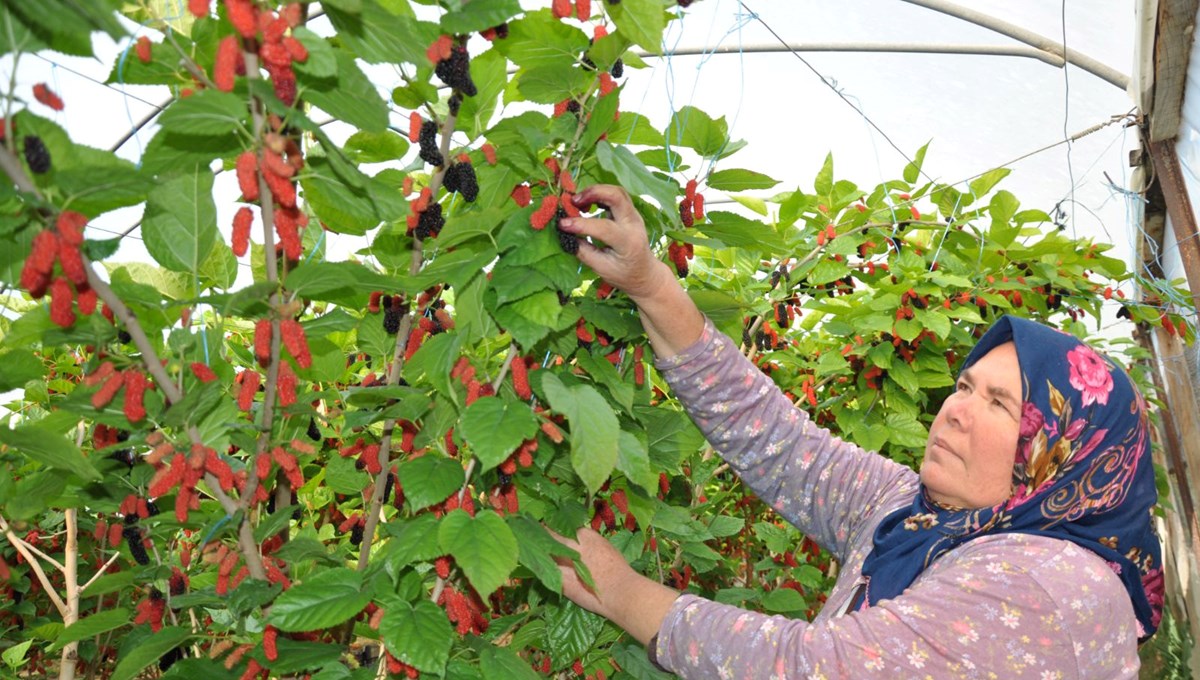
<point>20,545</point>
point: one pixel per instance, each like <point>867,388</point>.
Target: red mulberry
<point>70,225</point>
<point>243,16</point>
<point>521,195</point>
<point>292,334</point>
<point>287,384</point>
<point>198,8</point>
<point>45,95</point>
<point>296,49</point>
<point>247,175</point>
<point>143,49</point>
<point>282,189</point>
<point>242,222</point>
<point>71,262</point>
<point>262,342</point>
<point>489,153</point>
<point>135,391</point>
<point>61,299</point>
<point>250,381</point>
<point>520,377</point>
<point>203,372</point>
<point>225,66</point>
<point>561,8</point>
<point>269,648</point>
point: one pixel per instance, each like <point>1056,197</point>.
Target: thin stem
<point>101,572</point>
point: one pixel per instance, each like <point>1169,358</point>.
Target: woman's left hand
<point>621,595</point>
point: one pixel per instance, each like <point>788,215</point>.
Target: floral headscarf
<point>1082,473</point>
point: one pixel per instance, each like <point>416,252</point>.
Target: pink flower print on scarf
<point>1090,375</point>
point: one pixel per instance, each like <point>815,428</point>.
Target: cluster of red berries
<point>151,609</point>
<point>465,610</point>
<point>691,206</point>
<point>185,471</point>
<point>275,48</point>
<point>70,287</point>
<point>398,667</point>
<point>111,381</point>
<point>368,455</point>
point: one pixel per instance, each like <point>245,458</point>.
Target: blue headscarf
<point>1082,473</point>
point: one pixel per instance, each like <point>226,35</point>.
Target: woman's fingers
<point>613,197</point>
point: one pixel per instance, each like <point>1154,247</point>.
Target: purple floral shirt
<point>1000,606</point>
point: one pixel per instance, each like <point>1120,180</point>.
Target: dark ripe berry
<point>391,321</point>
<point>130,519</point>
<point>455,102</point>
<point>133,538</point>
<point>431,222</point>
<point>456,71</point>
<point>167,660</point>
<point>356,534</point>
<point>37,155</point>
<point>387,487</point>
<point>123,456</point>
<point>461,178</point>
<point>505,479</point>
<point>568,242</point>
<point>587,63</point>
<point>152,508</point>
<point>1123,313</point>
<point>124,337</point>
<point>684,3</point>
<point>313,432</point>
<point>502,31</point>
<point>429,145</point>
<point>618,69</point>
<point>573,106</point>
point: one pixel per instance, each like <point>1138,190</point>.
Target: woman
<point>1024,547</point>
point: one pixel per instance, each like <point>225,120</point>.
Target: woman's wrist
<point>641,606</point>
<point>670,317</point>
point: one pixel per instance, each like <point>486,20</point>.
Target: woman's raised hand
<point>624,259</point>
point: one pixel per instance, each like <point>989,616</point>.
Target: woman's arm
<point>1014,606</point>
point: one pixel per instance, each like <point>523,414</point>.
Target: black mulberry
<point>567,241</point>
<point>431,222</point>
<point>455,102</point>
<point>456,71</point>
<point>391,321</point>
<point>37,155</point>
<point>314,433</point>
<point>460,177</point>
<point>618,69</point>
<point>133,537</point>
<point>429,145</point>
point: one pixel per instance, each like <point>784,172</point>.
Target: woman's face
<point>973,441</point>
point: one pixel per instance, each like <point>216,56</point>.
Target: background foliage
<point>295,472</point>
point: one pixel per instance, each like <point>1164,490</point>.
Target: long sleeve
<point>832,490</point>
<point>1011,606</point>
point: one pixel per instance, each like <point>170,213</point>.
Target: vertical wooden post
<point>1179,209</point>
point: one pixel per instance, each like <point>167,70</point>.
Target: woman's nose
<point>958,409</point>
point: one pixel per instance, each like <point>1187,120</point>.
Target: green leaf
<point>351,98</point>
<point>413,539</point>
<point>95,624</point>
<point>536,550</point>
<point>495,427</point>
<point>483,547</point>
<point>635,128</point>
<point>912,171</point>
<point>341,476</point>
<point>376,147</point>
<point>417,634</point>
<point>736,231</point>
<point>479,16</point>
<point>321,62</point>
<point>324,600</point>
<point>502,663</point>
<point>207,112</point>
<point>823,184</point>
<point>980,186</point>
<point>784,600</point>
<point>179,226</point>
<point>434,361</point>
<point>149,651</point>
<point>906,431</point>
<point>692,128</point>
<point>50,449</point>
<point>19,366</point>
<point>377,34</point>
<point>553,83</point>
<point>642,22</point>
<point>1002,208</point>
<point>300,655</point>
<point>633,459</point>
<point>571,631</point>
<point>595,430</point>
<point>14,657</point>
<point>739,180</point>
<point>344,208</point>
<point>632,174</point>
<point>429,479</point>
<point>538,39</point>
